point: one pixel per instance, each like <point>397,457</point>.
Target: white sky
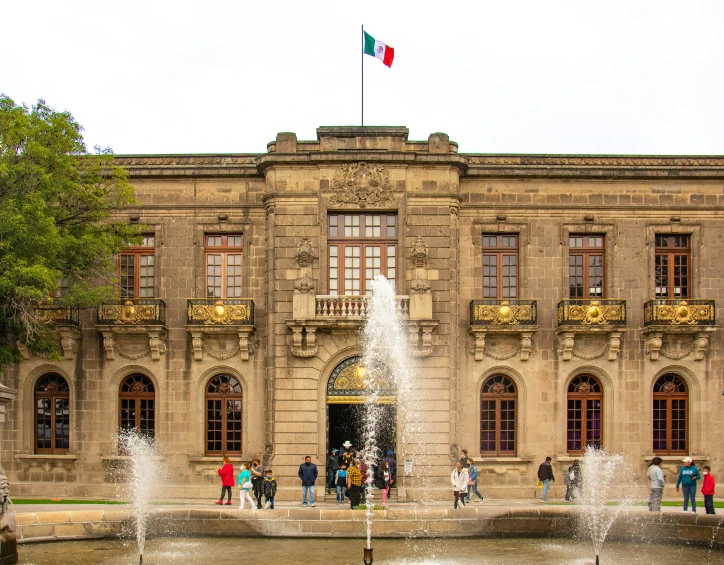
<point>586,76</point>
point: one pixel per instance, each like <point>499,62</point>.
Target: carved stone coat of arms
<point>362,184</point>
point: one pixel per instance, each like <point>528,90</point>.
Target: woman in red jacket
<point>227,480</point>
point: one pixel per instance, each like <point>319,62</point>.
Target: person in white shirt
<point>459,478</point>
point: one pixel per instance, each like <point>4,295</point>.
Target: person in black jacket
<point>308,474</point>
<point>332,468</point>
<point>545,475</point>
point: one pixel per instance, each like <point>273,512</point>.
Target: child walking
<point>244,483</point>
<point>707,489</point>
<point>270,489</point>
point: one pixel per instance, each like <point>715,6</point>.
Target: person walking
<point>392,461</point>
<point>257,479</point>
<point>545,475</point>
<point>346,456</point>
<point>707,489</point>
<point>244,484</point>
<point>270,489</point>
<point>464,458</point>
<point>459,478</point>
<point>332,468</point>
<point>384,480</point>
<point>473,481</point>
<point>573,480</point>
<point>656,484</point>
<point>354,484</point>
<point>340,482</point>
<point>688,475</point>
<point>227,480</point>
<point>308,474</point>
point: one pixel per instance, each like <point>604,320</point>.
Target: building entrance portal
<point>347,408</point>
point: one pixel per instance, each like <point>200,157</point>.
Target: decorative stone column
<point>420,290</point>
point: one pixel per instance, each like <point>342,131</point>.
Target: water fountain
<point>141,482</point>
<point>601,473</point>
<point>386,359</point>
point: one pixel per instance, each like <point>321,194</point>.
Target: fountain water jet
<point>142,482</point>
<point>386,359</point>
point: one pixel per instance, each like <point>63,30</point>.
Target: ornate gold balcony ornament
<point>54,316</point>
<point>129,313</point>
<point>594,313</point>
<point>504,313</point>
<point>219,313</point>
<point>678,314</point>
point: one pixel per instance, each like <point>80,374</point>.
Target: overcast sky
<point>588,76</point>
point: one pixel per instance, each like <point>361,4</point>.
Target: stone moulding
<point>47,462</point>
<point>523,348</point>
<point>568,348</point>
<point>676,342</point>
<point>203,338</point>
<point>123,341</point>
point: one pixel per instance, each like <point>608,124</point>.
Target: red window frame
<point>584,417</point>
<point>586,266</point>
<point>672,268</point>
<point>670,415</point>
<point>223,260</point>
<point>500,265</point>
<point>52,415</point>
<point>140,260</point>
<point>498,417</point>
<point>224,424</point>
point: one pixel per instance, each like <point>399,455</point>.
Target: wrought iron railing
<point>220,312</point>
<point>593,312</point>
<point>352,306</point>
<point>679,313</point>
<point>136,312</point>
<point>58,315</point>
<point>511,312</point>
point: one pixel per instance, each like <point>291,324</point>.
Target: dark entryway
<point>346,423</point>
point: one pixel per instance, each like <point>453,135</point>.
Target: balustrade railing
<point>136,312</point>
<point>593,312</point>
<point>510,312</point>
<point>679,312</point>
<point>220,312</point>
<point>352,306</point>
<point>58,315</point>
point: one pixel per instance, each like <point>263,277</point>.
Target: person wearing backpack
<point>573,480</point>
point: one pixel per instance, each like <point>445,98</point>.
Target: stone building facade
<point>551,302</point>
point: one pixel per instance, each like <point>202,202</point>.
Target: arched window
<point>138,405</point>
<point>497,416</point>
<point>670,415</point>
<point>223,416</point>
<point>52,414</point>
<point>585,413</point>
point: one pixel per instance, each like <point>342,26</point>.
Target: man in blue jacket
<point>308,474</point>
<point>688,476</point>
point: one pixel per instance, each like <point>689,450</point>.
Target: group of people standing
<point>347,472</point>
<point>252,478</point>
<point>464,480</point>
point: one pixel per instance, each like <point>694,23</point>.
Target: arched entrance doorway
<point>346,399</point>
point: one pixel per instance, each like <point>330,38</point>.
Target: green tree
<point>57,204</point>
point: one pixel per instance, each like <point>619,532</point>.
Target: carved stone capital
<point>420,335</point>
<point>69,340</point>
<point>304,339</point>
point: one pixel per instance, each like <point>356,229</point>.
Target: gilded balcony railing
<point>679,313</point>
<point>593,312</point>
<point>58,315</point>
<point>352,306</point>
<point>136,312</point>
<point>511,312</point>
<point>220,312</point>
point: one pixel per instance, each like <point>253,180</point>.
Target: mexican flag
<point>383,52</point>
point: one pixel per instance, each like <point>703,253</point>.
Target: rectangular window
<point>137,270</point>
<point>223,266</point>
<point>672,267</point>
<point>361,246</point>
<point>500,266</point>
<point>586,266</point>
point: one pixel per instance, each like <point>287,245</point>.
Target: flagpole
<point>363,74</point>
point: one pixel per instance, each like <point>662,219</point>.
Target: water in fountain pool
<point>231,551</point>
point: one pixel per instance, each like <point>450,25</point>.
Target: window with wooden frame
<point>361,246</point>
<point>223,265</point>
<point>497,416</point>
<point>500,266</point>
<point>52,415</point>
<point>136,267</point>
<point>670,416</point>
<point>585,414</point>
<point>672,266</point>
<point>223,416</point>
<point>586,266</point>
<point>138,405</point>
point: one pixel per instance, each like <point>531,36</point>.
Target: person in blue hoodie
<point>473,481</point>
<point>688,475</point>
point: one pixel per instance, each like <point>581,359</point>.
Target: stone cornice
<point>334,158</point>
<point>241,165</point>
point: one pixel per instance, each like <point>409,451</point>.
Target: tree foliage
<point>57,202</point>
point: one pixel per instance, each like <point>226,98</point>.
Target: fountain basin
<point>425,522</point>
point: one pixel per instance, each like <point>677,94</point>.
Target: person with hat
<point>332,468</point>
<point>688,475</point>
<point>347,454</point>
